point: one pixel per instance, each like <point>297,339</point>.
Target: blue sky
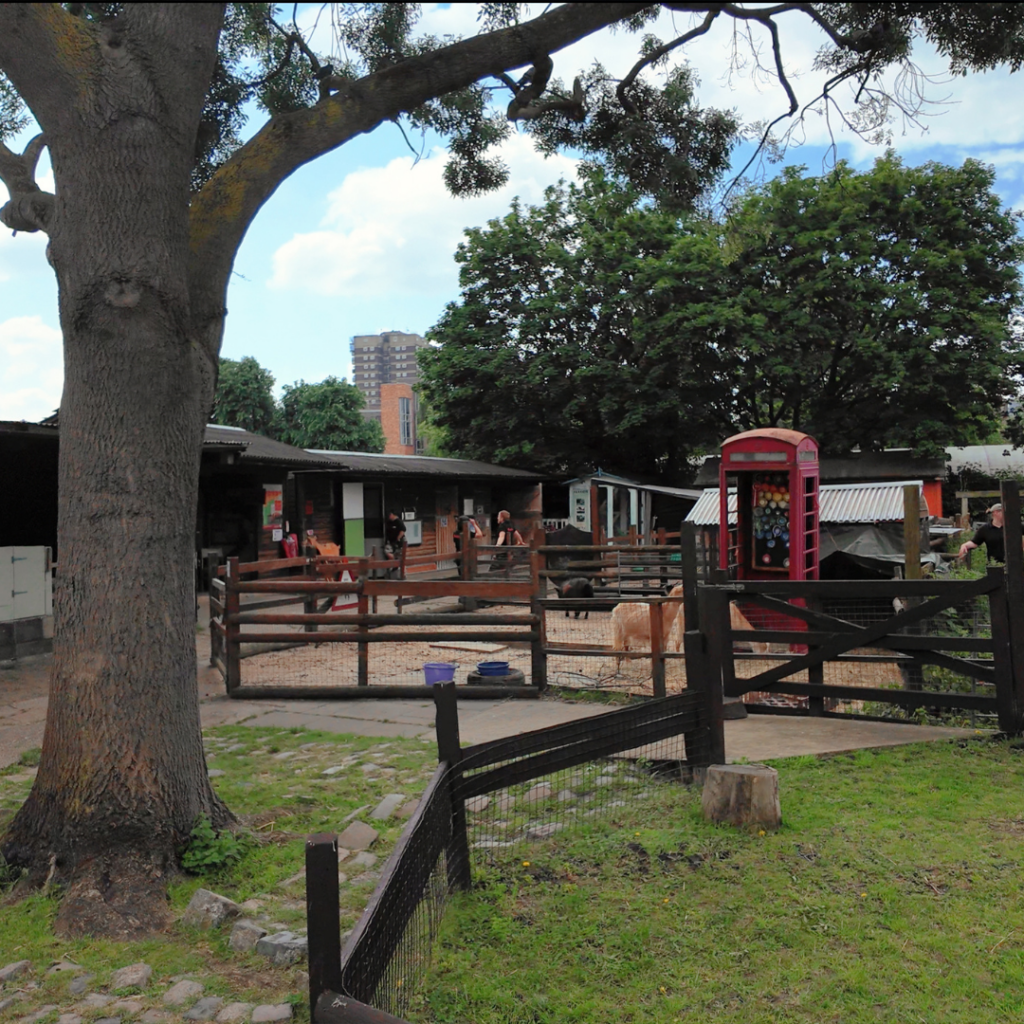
<point>363,239</point>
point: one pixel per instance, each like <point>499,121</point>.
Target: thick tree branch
<point>226,205</point>
<point>29,208</point>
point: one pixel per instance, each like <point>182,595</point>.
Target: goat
<point>575,587</point>
<point>737,621</point>
<point>633,621</point>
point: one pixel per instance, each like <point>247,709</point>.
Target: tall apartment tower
<point>388,358</point>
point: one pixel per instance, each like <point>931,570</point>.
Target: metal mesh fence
<point>502,799</point>
<point>389,950</point>
<point>878,666</point>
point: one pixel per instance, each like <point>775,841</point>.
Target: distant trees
<point>868,309</point>
<point>327,414</point>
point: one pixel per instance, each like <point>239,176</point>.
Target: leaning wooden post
<point>538,647</point>
<point>657,648</point>
<point>323,917</point>
<point>464,553</point>
<point>363,648</point>
<point>449,751</point>
<point>232,630</point>
<point>1010,495</point>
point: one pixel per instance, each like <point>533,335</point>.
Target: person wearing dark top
<point>394,536</point>
<point>991,535</point>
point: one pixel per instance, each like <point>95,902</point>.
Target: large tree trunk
<point>123,776</point>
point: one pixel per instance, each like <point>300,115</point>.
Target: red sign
<point>309,508</point>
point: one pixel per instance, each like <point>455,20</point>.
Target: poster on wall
<point>273,506</point>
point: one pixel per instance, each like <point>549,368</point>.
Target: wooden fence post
<point>716,651</point>
<point>323,916</point>
<point>232,643</point>
<point>449,751</point>
<point>363,648</point>
<point>688,568</point>
<point>1010,495</point>
<point>538,649</point>
<point>657,648</point>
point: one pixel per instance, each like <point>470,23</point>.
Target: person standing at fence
<point>508,538</point>
<point>394,537</point>
<point>991,535</point>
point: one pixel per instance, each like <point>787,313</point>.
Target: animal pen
<point>336,628</point>
<point>494,801</point>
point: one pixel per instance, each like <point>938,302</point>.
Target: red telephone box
<point>774,476</point>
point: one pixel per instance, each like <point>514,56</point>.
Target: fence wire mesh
<point>500,802</point>
<point>877,666</point>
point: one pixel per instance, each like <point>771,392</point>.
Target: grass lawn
<point>892,893</point>
<point>273,780</point>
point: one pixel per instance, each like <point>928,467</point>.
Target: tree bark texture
<point>122,776</point>
<point>142,269</point>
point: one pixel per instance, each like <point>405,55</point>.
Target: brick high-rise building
<point>388,358</point>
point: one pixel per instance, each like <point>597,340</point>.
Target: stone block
<point>407,810</point>
<point>12,970</point>
<point>358,836</point>
<point>268,1014</point>
<point>542,791</point>
<point>97,1000</point>
<point>476,804</point>
<point>244,936</point>
<point>185,991</point>
<point>208,910</point>
<point>364,859</point>
<point>234,1013</point>
<point>283,948</point>
<point>80,984</point>
<point>205,1009</point>
<point>132,976</point>
<point>387,806</point>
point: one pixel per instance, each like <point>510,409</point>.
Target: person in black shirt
<point>991,535</point>
<point>394,537</point>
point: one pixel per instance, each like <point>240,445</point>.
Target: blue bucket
<point>439,672</point>
<point>492,668</point>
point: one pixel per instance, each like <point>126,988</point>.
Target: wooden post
<point>595,519</point>
<point>816,673</point>
<point>657,648</point>
<point>464,539</point>
<point>232,643</point>
<point>688,567</point>
<point>713,613</point>
<point>1010,494</point>
<point>363,651</point>
<point>538,648</point>
<point>323,917</point>
<point>449,751</point>
<point>1002,654</point>
<point>911,532</point>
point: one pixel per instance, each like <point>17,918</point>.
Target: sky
<point>363,240</point>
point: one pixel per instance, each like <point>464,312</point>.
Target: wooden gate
<point>815,637</point>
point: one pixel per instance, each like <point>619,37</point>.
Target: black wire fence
<point>486,804</point>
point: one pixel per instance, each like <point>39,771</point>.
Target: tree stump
<point>742,794</point>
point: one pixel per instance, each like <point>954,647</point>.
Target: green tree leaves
<point>323,415</point>
<point>865,309</point>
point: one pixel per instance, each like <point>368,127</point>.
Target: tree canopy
<point>867,309</point>
<point>142,109</point>
<point>327,414</point>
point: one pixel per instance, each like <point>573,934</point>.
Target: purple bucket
<point>439,672</point>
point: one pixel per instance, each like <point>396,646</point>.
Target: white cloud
<point>31,368</point>
<point>394,229</point>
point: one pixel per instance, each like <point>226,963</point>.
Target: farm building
<point>254,490</point>
<point>861,527</point>
<point>624,508</point>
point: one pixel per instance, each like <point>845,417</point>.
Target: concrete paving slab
<point>330,723</point>
<point>768,737</point>
<point>407,711</point>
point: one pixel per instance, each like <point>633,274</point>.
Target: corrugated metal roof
<point>839,503</point>
<point>601,477</point>
<point>420,465</point>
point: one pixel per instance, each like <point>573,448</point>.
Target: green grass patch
<point>273,780</point>
<point>892,893</point>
